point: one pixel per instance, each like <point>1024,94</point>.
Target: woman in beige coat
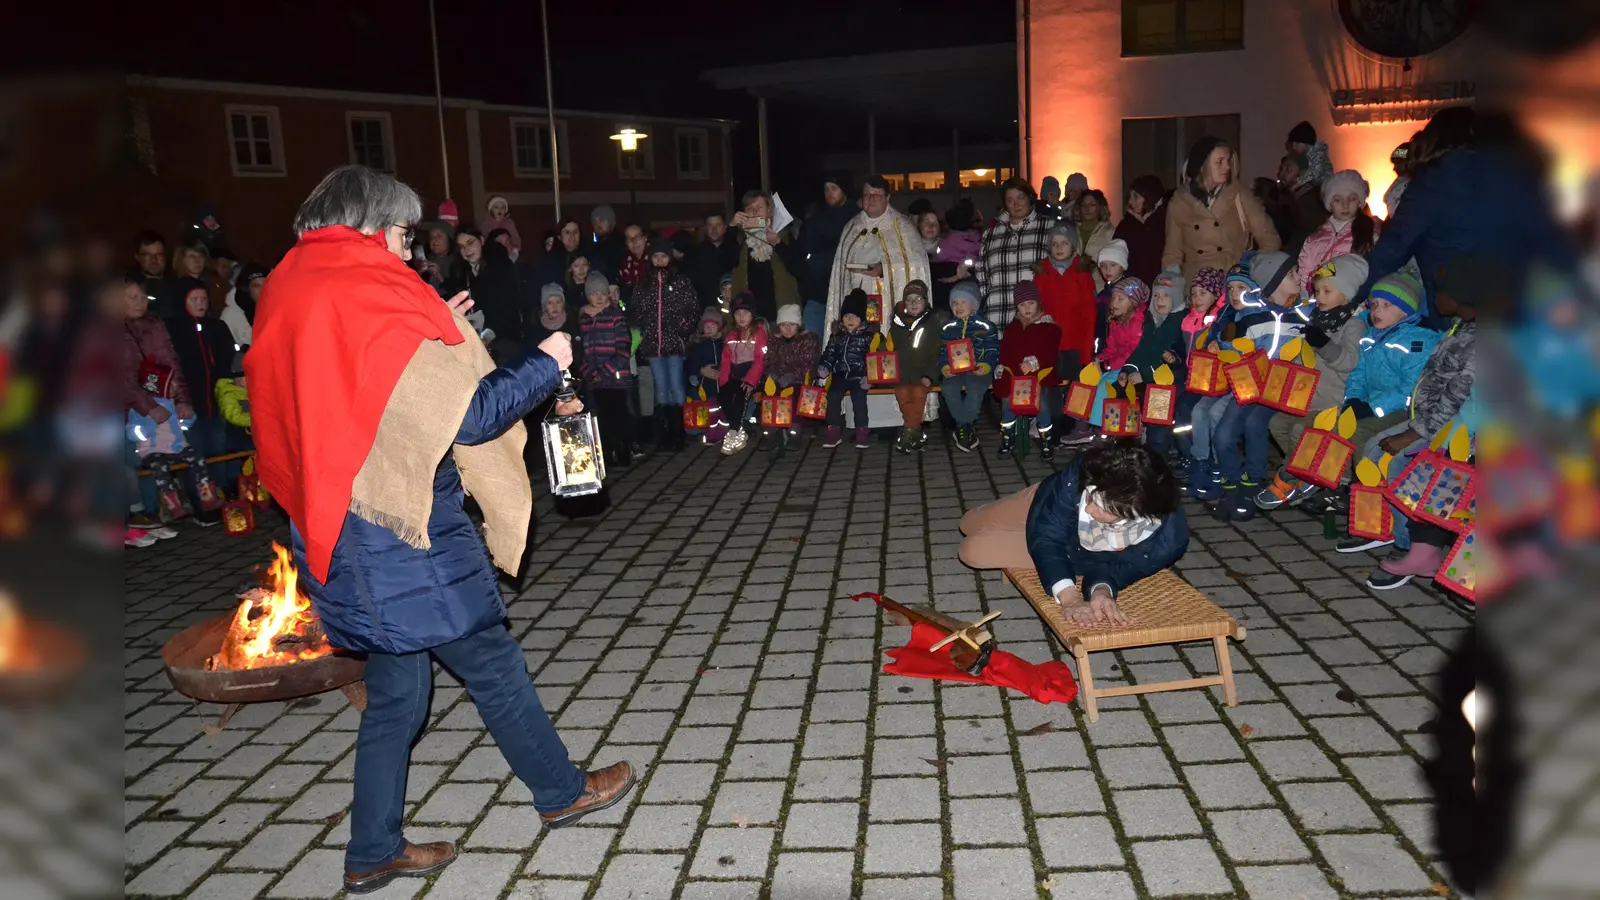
<point>1215,219</point>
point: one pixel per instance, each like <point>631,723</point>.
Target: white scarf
<point>1098,536</point>
<point>760,250</point>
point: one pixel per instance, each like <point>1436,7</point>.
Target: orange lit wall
<point>1295,55</point>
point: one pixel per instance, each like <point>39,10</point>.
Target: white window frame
<point>385,123</point>
<point>274,138</point>
<point>564,155</point>
<point>646,152</point>
<point>704,172</point>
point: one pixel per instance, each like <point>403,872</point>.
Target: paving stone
<point>982,874</point>
<point>1390,777</point>
<point>1180,867</point>
<point>748,761</point>
<point>834,740</point>
<point>970,776</point>
<point>1202,743</point>
<point>456,803</point>
<point>1155,813</point>
<point>903,848</point>
<point>905,799</point>
<point>903,720</point>
<point>748,803</point>
<point>274,847</point>
<point>1064,792</point>
<point>1354,734</point>
<point>904,756</point>
<point>680,783</point>
<point>1408,713</point>
<point>315,875</point>
<point>1098,885</point>
<point>987,821</point>
<point>828,779</point>
<point>733,853</point>
<point>1257,835</point>
<point>475,875</point>
<point>902,889</point>
<point>1183,707</point>
<point>146,840</point>
<point>1372,862</point>
<point>840,706</point>
<point>174,872</point>
<point>506,828</point>
<point>1328,806</point>
<point>1416,820</point>
<point>964,736</point>
<point>231,886</point>
<point>960,700</point>
<point>1127,767</point>
<point>572,851</point>
<point>698,743</point>
<point>1373,680</point>
<point>770,725</point>
<point>803,876</point>
<point>232,824</point>
<point>814,825</point>
<point>1302,882</point>
<point>1266,720</point>
<point>1292,760</point>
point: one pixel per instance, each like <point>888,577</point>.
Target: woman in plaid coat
<point>1012,248</point>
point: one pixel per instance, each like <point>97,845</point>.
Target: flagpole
<point>550,111</point>
<point>438,100</point>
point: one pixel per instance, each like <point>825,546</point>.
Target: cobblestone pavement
<point>702,629</point>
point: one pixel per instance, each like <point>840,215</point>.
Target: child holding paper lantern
<point>702,366</point>
<point>1162,343</point>
<point>744,362</point>
<point>914,331</point>
<point>968,353</point>
<point>1205,481</point>
<point>845,361</point>
<point>791,356</point>
<point>1026,374</point>
<point>1275,316</point>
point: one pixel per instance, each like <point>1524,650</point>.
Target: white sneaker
<point>133,537</point>
<point>733,442</point>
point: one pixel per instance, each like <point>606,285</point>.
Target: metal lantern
<point>572,453</point>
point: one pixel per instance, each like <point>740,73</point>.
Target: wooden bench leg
<point>1230,694</point>
<point>1086,684</point>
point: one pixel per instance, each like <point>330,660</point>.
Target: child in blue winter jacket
<point>845,360</point>
<point>963,392</point>
<point>1396,347</point>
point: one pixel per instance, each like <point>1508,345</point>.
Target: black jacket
<point>496,290</point>
<point>819,241</point>
<point>706,263</point>
<point>205,354</point>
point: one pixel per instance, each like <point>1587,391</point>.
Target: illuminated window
<point>896,182</point>
<point>982,177</point>
<point>1152,27</point>
<point>926,181</point>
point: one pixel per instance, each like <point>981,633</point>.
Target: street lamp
<point>628,139</point>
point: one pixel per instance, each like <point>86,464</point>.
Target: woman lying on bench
<point>1111,517</point>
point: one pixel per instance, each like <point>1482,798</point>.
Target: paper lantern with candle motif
<point>1081,393</point>
<point>1371,516</point>
<point>1519,488</point>
<point>1206,377</point>
<point>777,407</point>
<point>883,366</point>
<point>1119,416</point>
<point>962,358</point>
<point>1160,398</point>
<point>1324,451</point>
<point>1026,394</point>
<point>1291,379</point>
<point>697,412</point>
<point>1437,488</point>
<point>238,518</point>
<point>1247,377</point>
<point>814,400</point>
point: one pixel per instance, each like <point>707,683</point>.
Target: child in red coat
<point>1066,293</point>
<point>1026,349</point>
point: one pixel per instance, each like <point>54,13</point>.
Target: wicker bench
<point>1164,609</point>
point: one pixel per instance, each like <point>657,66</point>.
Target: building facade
<point>253,152</point>
<point>1120,88</point>
<point>942,176</point>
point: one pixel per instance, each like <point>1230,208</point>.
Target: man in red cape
<point>376,409</point>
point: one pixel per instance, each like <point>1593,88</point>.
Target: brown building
<point>253,152</point>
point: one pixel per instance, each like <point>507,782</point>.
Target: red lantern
<point>813,402</point>
<point>1247,377</point>
<point>874,309</point>
<point>1370,513</point>
<point>1119,418</point>
<point>238,518</point>
<point>883,367</point>
<point>1289,387</point>
<point>777,411</point>
<point>963,358</point>
<point>1080,400</point>
<point>1160,404</point>
<point>1436,489</point>
<point>696,415</point>
<point>1206,377</point>
<point>1473,567</point>
<point>1025,393</point>
<point>1321,458</point>
<point>1519,489</point>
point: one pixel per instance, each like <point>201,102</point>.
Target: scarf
<point>760,250</point>
<point>359,379</point>
<point>1060,265</point>
<point>554,324</point>
<point>930,245</point>
<point>1331,320</point>
<point>1120,535</point>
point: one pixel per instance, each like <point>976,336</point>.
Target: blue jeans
<point>399,686</point>
<point>1248,423</point>
<point>814,316</point>
<point>1207,412</point>
<point>667,374</point>
<point>1044,419</point>
<point>964,395</point>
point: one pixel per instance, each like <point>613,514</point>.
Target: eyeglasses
<point>408,235</point>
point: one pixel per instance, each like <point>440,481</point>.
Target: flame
<point>265,616</point>
<point>12,646</point>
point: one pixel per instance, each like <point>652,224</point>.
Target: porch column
<point>955,165</point>
<point>872,143</point>
<point>761,141</point>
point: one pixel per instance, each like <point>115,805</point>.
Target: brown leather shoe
<point>415,861</point>
<point>601,789</point>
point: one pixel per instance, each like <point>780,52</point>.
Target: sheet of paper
<point>781,217</point>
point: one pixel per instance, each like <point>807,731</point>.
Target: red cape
<point>1049,682</point>
<point>338,321</point>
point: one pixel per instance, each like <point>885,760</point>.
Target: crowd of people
<point>968,302</point>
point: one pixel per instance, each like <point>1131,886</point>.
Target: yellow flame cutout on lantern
<point>1291,349</point>
<point>1162,374</point>
<point>1090,374</point>
<point>1244,345</point>
<point>786,392</point>
<point>1347,424</point>
<point>1386,465</point>
<point>1229,357</point>
<point>1200,338</point>
<point>770,388</point>
<point>1367,473</point>
<point>1326,419</point>
<point>1460,444</point>
<point>1495,442</point>
<point>1308,357</point>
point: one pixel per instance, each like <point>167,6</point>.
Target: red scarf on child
<point>337,323</point>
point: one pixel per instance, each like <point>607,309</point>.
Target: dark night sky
<point>625,57</point>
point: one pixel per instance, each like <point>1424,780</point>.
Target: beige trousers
<point>997,533</point>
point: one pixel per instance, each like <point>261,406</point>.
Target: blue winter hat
<point>968,291</point>
<point>1399,290</point>
<point>1049,183</point>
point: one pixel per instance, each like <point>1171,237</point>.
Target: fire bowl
<point>186,654</point>
<point>56,656</point>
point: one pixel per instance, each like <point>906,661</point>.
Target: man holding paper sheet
<point>769,261</point>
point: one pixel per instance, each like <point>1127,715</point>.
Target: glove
<point>1315,336</point>
<point>945,371</point>
<point>1361,408</point>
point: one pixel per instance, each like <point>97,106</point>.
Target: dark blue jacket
<point>385,596</point>
<point>1057,554</point>
<point>1467,202</point>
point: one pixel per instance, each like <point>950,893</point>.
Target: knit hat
<point>1270,269</point>
<point>1344,181</point>
<point>1303,134</point>
<point>604,213</point>
<point>1171,284</point>
<point>1150,188</point>
<point>1078,180</point>
<point>1049,184</point>
<point>1066,231</point>
<point>1210,279</point>
<point>855,303</point>
<point>1348,273</point>
<point>967,290</point>
<point>1137,291</point>
<point>552,290</point>
<point>447,212</point>
<point>743,300</point>
<point>1024,292</point>
<point>1198,154</point>
<point>789,314</point>
<point>1399,290</point>
<point>712,314</point>
<point>962,216</point>
<point>725,281</point>
<point>596,283</point>
<point>1401,152</point>
<point>1115,250</point>
<point>660,244</point>
<point>915,286</point>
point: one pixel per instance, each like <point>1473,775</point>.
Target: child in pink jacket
<point>1124,321</point>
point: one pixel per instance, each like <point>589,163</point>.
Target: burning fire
<point>15,654</point>
<point>275,625</point>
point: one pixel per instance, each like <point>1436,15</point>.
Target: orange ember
<point>275,625</point>
<point>16,653</point>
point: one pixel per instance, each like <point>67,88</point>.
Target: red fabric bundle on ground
<point>1050,682</point>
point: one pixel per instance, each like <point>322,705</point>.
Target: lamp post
<point>628,139</point>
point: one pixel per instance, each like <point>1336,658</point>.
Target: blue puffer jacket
<point>385,596</point>
<point>846,353</point>
<point>1390,364</point>
<point>1059,556</point>
<point>985,342</point>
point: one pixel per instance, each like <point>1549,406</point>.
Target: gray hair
<point>360,198</point>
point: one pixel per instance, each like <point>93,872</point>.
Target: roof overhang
<point>962,87</point>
